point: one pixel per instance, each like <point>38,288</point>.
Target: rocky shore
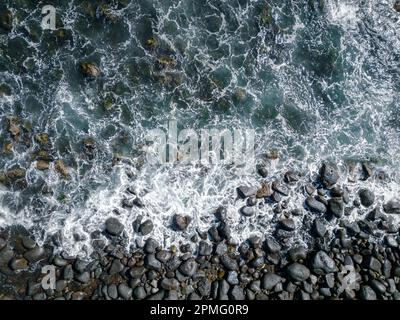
<point>354,260</point>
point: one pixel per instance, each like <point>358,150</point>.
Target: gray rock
<point>392,207</point>
<point>39,296</point>
<point>315,206</point>
<point>245,191</point>
<point>232,278</point>
<point>204,248</point>
<point>272,246</point>
<point>373,264</point>
<point>319,228</point>
<point>229,263</point>
<point>248,211</point>
<point>297,253</point>
<point>139,293</point>
<point>137,272</point>
<point>188,267</point>
<point>281,188</point>
<point>35,254</point>
<point>163,256</point>
<point>204,287</point>
<point>28,242</point>
<point>236,293</point>
<point>287,224</point>
<point>114,227</point>
<point>270,280</point>
<point>68,273</point>
<point>80,265</point>
<point>152,263</point>
<point>124,291</point>
<point>146,227</point>
<point>329,175</point>
<point>391,241</point>
<point>6,255</point>
<point>61,285</point>
<point>366,293</point>
<point>116,267</point>
<point>378,286</point>
<point>169,284</point>
<point>336,207</point>
<point>83,277</point>
<point>298,272</point>
<point>112,291</point>
<point>180,222</point>
<point>3,243</point>
<point>221,249</point>
<point>323,264</point>
<point>367,197</point>
<point>151,245</point>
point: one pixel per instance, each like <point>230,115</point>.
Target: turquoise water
<point>316,80</point>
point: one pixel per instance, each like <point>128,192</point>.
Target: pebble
<point>188,267</point>
<point>319,228</point>
<point>367,293</point>
<point>315,205</point>
<point>323,264</point>
<point>367,197</point>
<point>329,174</point>
<point>336,207</point>
<point>35,254</point>
<point>169,284</point>
<point>298,272</point>
<point>248,211</point>
<point>245,191</point>
<point>146,227</point>
<point>272,246</point>
<point>28,242</point>
<point>229,263</point>
<point>152,263</point>
<point>180,222</point>
<point>237,293</point>
<point>151,245</point>
<point>112,291</point>
<point>270,280</point>
<point>392,207</point>
<point>18,264</point>
<point>114,226</point>
<point>83,277</point>
<point>116,267</point>
<point>287,224</point>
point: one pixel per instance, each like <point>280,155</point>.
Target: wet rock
<point>264,192</point>
<point>232,278</point>
<point>279,187</point>
<point>287,224</point>
<point>112,291</point>
<point>35,254</point>
<point>367,197</point>
<point>163,256</point>
<point>315,205</point>
<point>323,264</point>
<point>68,272</point>
<point>6,255</point>
<point>6,20</point>
<point>262,171</point>
<point>180,222</point>
<point>245,191</point>
<point>204,248</point>
<point>188,267</point>
<point>139,293</point>
<point>396,6</point>
<point>116,267</point>
<point>90,69</point>
<point>272,246</point>
<point>169,284</point>
<point>366,293</point>
<point>146,227</point>
<point>83,277</point>
<point>248,211</point>
<point>152,263</point>
<point>236,293</point>
<point>3,243</point>
<point>367,171</point>
<point>42,138</point>
<point>229,263</point>
<point>61,168</point>
<point>336,207</point>
<point>309,189</point>
<point>319,228</point>
<point>221,214</point>
<point>151,245</point>
<point>270,280</point>
<point>373,264</point>
<point>28,242</point>
<point>298,272</point>
<point>13,128</point>
<point>291,177</point>
<point>137,272</point>
<point>124,291</point>
<point>378,286</point>
<point>42,165</point>
<point>329,175</point>
<point>392,207</point>
<point>114,227</point>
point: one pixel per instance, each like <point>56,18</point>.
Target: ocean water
<point>317,80</point>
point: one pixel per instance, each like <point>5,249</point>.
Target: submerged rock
<point>61,168</point>
<point>367,197</point>
<point>180,222</point>
<point>6,20</point>
<point>90,69</point>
